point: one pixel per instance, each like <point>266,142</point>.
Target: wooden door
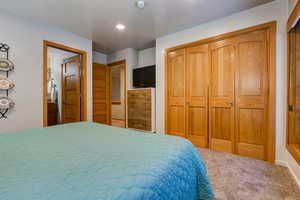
<point>293,139</point>
<point>71,90</point>
<point>251,94</point>
<point>101,94</point>
<point>176,93</point>
<point>197,77</point>
<point>294,87</point>
<point>221,118</point>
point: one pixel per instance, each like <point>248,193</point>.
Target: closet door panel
<point>251,133</point>
<point>197,77</point>
<point>176,93</point>
<point>176,118</point>
<point>221,113</point>
<point>221,127</point>
<point>296,87</point>
<point>251,94</point>
<point>197,125</point>
<point>220,123</point>
<point>222,70</point>
<point>292,88</point>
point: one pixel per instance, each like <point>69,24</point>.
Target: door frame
<point>46,44</point>
<point>122,62</point>
<point>271,34</point>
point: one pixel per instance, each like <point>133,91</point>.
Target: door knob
<point>291,108</point>
<point>231,104</point>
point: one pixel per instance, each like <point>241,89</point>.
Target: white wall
<point>26,41</point>
<point>276,10</point>
<point>146,57</point>
<point>131,57</point>
<point>99,58</point>
<point>292,4</point>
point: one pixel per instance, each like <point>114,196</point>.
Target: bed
<point>89,161</point>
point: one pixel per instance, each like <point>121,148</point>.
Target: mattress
<point>89,161</point>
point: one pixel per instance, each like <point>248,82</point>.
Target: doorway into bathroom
<point>64,88</point>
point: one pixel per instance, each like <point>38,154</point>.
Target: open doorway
<point>64,84</point>
<point>109,94</point>
<point>118,94</point>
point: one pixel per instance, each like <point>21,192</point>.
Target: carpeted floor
<point>239,178</point>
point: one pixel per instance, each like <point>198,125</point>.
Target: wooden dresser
<point>141,109</point>
<point>52,114</point>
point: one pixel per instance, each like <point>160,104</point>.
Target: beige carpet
<point>239,178</point>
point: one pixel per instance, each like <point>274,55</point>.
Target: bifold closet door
<point>252,94</point>
<point>221,115</point>
<point>197,77</point>
<point>176,93</point>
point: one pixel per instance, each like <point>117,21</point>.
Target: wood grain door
<point>176,93</point>
<point>221,115</point>
<point>197,77</point>
<point>251,94</point>
<point>293,106</point>
<point>294,88</point>
<point>101,94</point>
<point>71,90</point>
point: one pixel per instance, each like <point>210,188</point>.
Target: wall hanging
<point>5,84</point>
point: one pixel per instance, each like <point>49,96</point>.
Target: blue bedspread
<point>88,161</point>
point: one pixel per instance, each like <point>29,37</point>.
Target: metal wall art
<point>5,84</point>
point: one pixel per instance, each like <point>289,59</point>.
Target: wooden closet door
<point>251,94</point>
<point>221,115</point>
<point>176,93</point>
<point>197,77</point>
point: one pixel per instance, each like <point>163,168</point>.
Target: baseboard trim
<point>285,164</point>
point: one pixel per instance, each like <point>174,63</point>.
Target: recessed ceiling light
<point>120,27</point>
<point>140,4</point>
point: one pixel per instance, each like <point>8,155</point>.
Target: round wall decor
<point>5,83</point>
<point>6,65</point>
<point>6,103</point>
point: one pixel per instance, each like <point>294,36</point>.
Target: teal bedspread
<point>88,161</point>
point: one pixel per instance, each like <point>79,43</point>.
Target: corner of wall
<point>290,163</point>
<point>99,58</point>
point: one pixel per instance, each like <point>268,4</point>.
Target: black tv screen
<point>144,77</point>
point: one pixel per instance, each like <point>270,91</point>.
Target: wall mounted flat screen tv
<point>144,77</point>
